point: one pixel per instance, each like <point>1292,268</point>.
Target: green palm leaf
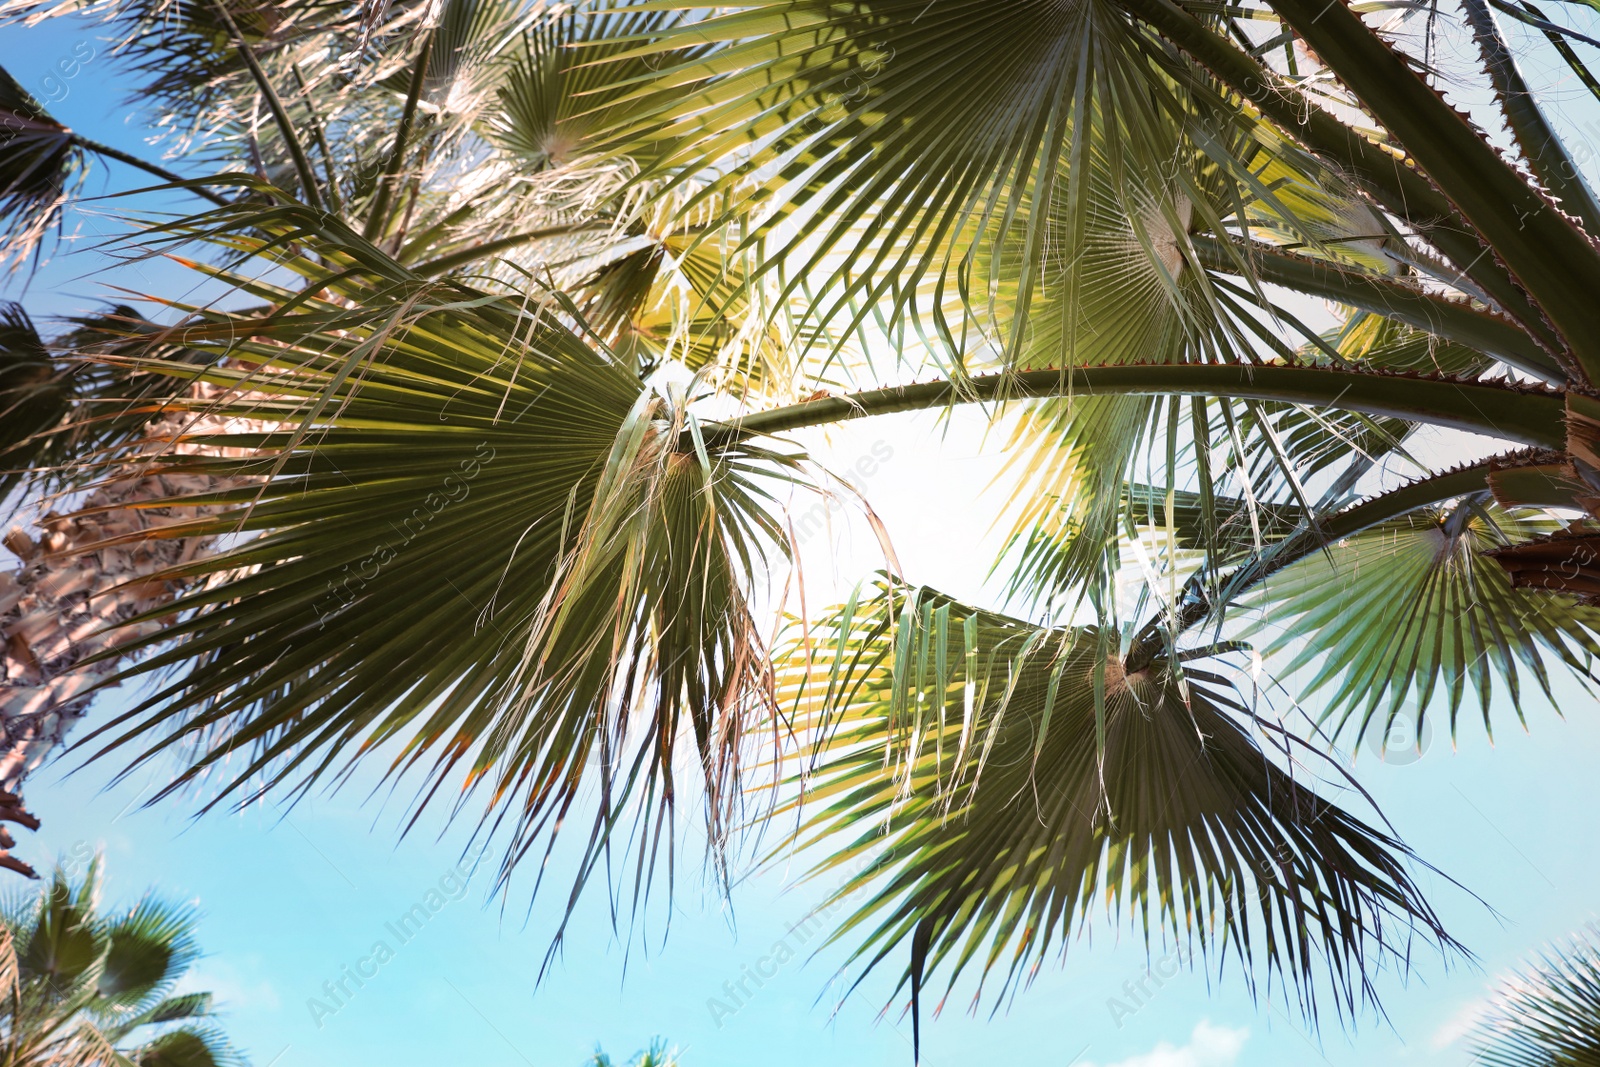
<point>1549,1014</point>
<point>33,395</point>
<point>40,165</point>
<point>472,540</point>
<point>1010,779</point>
<point>148,946</point>
<point>1411,609</point>
<point>179,1008</point>
<point>184,1048</point>
<point>869,117</point>
<point>63,942</point>
<point>558,90</point>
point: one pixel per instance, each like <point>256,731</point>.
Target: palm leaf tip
<point>39,163</point>
<point>1007,800</point>
<point>1547,1015</point>
<point>187,1047</point>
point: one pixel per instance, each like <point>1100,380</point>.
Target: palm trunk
<point>60,611</point>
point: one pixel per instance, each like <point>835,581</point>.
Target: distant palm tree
<point>82,988</point>
<point>654,1056</point>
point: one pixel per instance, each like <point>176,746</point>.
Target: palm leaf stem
<point>1552,258</point>
<point>1452,319</point>
<point>1554,34</point>
<point>318,132</point>
<point>1525,416</point>
<point>1529,15</point>
<point>1399,189</point>
<point>1547,157</point>
<point>402,136</point>
<point>1198,605</point>
<point>91,145</point>
<point>302,165</point>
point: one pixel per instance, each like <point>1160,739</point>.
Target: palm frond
<point>873,126</point>
<point>68,399</point>
<point>565,74</point>
<point>1412,610</point>
<point>1004,780</point>
<point>40,166</point>
<point>149,947</point>
<point>34,395</point>
<point>1548,1015</point>
<point>181,1007</point>
<point>62,941</point>
<point>600,614</point>
<point>186,1048</point>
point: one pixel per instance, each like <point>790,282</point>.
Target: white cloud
<point>1209,1046</point>
<point>1458,1025</point>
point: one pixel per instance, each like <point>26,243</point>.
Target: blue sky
<point>292,897</point>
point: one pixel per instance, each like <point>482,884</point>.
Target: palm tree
<point>565,277</point>
<point>55,607</point>
<point>79,987</point>
<point>1549,1014</point>
<point>654,1056</point>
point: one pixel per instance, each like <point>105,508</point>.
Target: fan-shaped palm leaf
<point>1549,1014</point>
<point>82,983</point>
<point>560,84</point>
<point>869,129</point>
<point>33,395</point>
<point>1015,777</point>
<point>601,609</point>
<point>1412,609</point>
